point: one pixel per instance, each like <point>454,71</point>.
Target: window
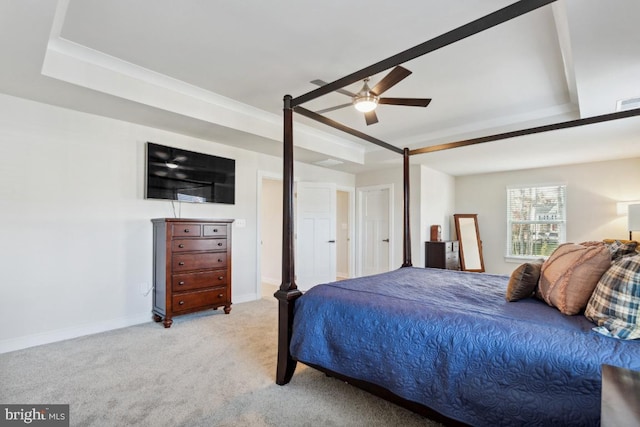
<point>536,220</point>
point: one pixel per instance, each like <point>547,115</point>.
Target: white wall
<point>437,198</point>
<point>343,233</point>
<point>76,233</point>
<point>271,232</point>
<point>593,189</point>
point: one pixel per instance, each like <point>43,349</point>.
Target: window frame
<point>557,224</point>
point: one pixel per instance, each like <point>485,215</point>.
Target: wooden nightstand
<point>620,397</point>
<point>442,255</point>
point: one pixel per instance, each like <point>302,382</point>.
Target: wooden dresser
<point>442,255</point>
<point>191,266</point>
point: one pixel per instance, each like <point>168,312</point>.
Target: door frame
<point>262,175</point>
<point>360,221</point>
<point>351,191</point>
<point>276,176</point>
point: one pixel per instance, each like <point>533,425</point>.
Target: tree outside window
<point>536,220</point>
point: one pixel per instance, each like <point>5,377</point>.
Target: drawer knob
<point>220,244</point>
<point>181,303</point>
<point>181,263</point>
<point>181,245</point>
<point>215,230</point>
<point>186,230</point>
<point>219,260</point>
<point>220,295</point>
<point>220,277</point>
<point>180,283</point>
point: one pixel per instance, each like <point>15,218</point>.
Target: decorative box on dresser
<point>191,266</point>
<point>442,255</point>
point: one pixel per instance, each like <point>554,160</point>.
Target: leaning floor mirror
<point>469,242</point>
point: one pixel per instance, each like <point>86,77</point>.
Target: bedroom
<point>100,223</point>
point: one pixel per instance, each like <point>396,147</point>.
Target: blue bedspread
<point>450,341</point>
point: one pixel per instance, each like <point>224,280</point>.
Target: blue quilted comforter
<point>450,341</point>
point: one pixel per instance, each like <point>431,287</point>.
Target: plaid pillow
<point>619,249</point>
<point>615,303</point>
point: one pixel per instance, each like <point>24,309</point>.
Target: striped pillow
<point>569,276</point>
<point>615,302</point>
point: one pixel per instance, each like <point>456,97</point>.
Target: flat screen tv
<point>176,174</point>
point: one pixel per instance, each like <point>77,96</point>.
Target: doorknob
<point>385,240</point>
<point>331,241</point>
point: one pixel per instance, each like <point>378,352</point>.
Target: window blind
<point>536,220</point>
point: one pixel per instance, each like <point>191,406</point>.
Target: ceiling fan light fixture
<point>366,103</point>
<point>171,165</point>
<point>365,100</point>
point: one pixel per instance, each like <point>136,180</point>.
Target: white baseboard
<point>271,281</point>
<point>33,340</point>
<point>19,343</point>
<point>239,299</point>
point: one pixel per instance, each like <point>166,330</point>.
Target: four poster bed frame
<point>288,292</point>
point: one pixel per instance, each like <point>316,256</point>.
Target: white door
<point>316,234</point>
<point>376,245</point>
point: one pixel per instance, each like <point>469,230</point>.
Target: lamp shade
<point>634,218</point>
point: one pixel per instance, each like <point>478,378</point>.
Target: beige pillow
<point>523,281</point>
<point>569,276</point>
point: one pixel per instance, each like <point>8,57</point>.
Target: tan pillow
<point>523,281</point>
<point>569,276</point>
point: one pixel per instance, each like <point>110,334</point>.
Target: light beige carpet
<point>208,369</point>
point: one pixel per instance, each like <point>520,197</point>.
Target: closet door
<point>376,239</point>
<point>316,234</point>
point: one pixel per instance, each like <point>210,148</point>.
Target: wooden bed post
<point>288,292</point>
<point>406,250</point>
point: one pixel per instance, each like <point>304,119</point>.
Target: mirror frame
<point>470,250</point>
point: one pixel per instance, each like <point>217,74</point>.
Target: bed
<point>450,340</point>
<point>442,343</point>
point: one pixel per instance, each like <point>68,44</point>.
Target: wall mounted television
<point>187,176</point>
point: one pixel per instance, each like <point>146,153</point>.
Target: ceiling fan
<point>367,99</point>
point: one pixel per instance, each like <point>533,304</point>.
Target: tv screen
<point>176,174</point>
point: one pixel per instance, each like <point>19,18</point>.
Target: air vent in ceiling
<point>628,104</point>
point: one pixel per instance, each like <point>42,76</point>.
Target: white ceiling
<point>218,70</point>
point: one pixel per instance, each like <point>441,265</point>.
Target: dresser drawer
<point>191,300</point>
<point>185,245</point>
<point>198,261</point>
<point>186,230</point>
<point>451,246</point>
<point>452,264</point>
<point>191,281</point>
<point>212,230</point>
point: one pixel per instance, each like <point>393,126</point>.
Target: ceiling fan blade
<point>411,102</point>
<point>319,82</point>
<point>371,117</point>
<point>396,75</point>
<point>337,107</point>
